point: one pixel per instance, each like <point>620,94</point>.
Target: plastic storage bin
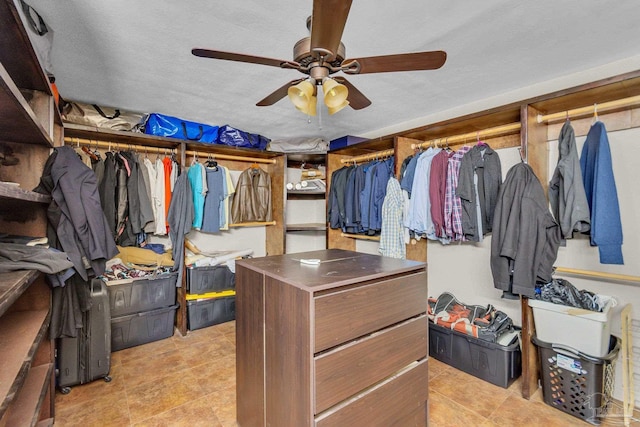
<point>576,383</point>
<point>144,294</point>
<point>583,330</point>
<point>141,328</point>
<point>210,311</point>
<point>495,363</point>
<point>201,280</point>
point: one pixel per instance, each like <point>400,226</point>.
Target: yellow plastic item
<point>209,295</point>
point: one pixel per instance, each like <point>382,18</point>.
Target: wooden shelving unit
<point>30,126</point>
<point>305,199</point>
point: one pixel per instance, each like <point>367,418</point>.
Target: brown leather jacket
<point>252,199</point>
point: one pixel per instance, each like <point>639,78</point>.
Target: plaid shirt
<point>452,204</point>
<point>392,233</point>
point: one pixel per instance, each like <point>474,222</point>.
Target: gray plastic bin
<point>141,328</point>
<point>211,311</point>
<point>143,294</point>
<point>201,280</point>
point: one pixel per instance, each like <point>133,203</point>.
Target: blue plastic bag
<point>228,135</point>
<point>174,127</point>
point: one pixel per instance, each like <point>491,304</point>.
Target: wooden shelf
<point>21,333</point>
<point>116,137</point>
<point>25,410</point>
<point>16,52</point>
<point>305,194</point>
<point>18,121</point>
<point>12,285</point>
<point>313,226</point>
<point>14,192</point>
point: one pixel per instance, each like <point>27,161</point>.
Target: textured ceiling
<point>136,55</point>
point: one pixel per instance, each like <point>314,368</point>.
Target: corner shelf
<point>312,226</point>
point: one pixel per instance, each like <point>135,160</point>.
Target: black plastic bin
<point>137,295</point>
<point>201,280</point>
<point>141,328</point>
<point>495,363</point>
<point>576,383</point>
<point>211,311</point>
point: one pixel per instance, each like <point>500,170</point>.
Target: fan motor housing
<point>302,54</point>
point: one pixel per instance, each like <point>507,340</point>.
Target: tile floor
<point>190,381</point>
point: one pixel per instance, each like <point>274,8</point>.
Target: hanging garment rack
<point>472,136</point>
<point>229,157</point>
<point>591,109</point>
<point>598,275</point>
<point>160,150</point>
<point>367,157</point>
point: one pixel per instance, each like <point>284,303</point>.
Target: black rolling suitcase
<point>88,356</point>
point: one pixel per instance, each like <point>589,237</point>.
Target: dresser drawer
<point>400,398</point>
<point>347,370</point>
<point>345,315</point>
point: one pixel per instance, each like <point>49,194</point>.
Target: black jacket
<point>75,212</point>
<point>525,238</point>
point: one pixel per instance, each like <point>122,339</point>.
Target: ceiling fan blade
<point>327,24</point>
<point>356,99</point>
<point>278,94</point>
<point>230,56</point>
<point>401,62</point>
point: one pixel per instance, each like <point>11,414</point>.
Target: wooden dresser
<point>342,343</point>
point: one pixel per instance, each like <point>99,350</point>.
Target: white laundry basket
<point>583,330</point>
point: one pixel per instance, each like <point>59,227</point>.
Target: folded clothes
<point>134,255</point>
<point>16,256</point>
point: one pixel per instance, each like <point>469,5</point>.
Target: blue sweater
<point>600,188</point>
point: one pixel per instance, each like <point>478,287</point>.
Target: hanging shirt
<point>230,190</point>
<point>167,165</point>
<point>602,195</point>
<point>392,242</point>
<point>215,195</point>
<point>478,186</point>
<point>159,199</point>
<point>194,174</point>
<point>437,189</point>
<point>452,204</point>
<point>419,206</point>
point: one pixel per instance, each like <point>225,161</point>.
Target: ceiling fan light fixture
<point>301,94</point>
<point>310,108</point>
<point>335,94</point>
<point>333,110</point>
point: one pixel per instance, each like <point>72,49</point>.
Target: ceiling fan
<point>323,54</point>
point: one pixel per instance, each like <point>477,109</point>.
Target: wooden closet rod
<point>367,157</point>
<point>229,157</point>
<point>108,145</point>
<point>598,275</point>
<point>473,136</point>
<point>159,150</point>
<point>591,109</point>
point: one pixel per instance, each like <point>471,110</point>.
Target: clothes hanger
<point>211,163</point>
<point>479,143</point>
